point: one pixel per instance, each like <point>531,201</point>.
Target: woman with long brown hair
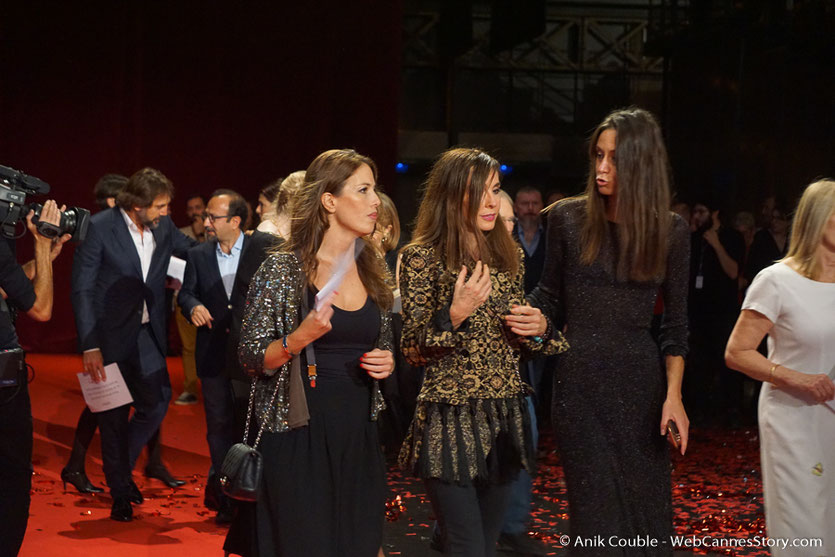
<point>608,252</point>
<point>323,490</point>
<point>464,320</point>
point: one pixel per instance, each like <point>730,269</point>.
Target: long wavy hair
<point>817,204</point>
<point>327,174</point>
<point>448,214</point>
<point>643,197</point>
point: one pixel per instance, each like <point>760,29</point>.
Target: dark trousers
<point>15,465</point>
<point>240,402</point>
<point>518,513</point>
<point>470,516</point>
<point>220,417</point>
<point>122,439</point>
<point>711,390</point>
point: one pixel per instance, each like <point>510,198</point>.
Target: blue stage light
<point>506,169</point>
<point>401,168</point>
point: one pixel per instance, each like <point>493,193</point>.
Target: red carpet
<point>717,489</point>
<point>170,522</point>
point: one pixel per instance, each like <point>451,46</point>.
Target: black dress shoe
<point>162,474</point>
<point>80,480</point>
<point>121,510</point>
<point>134,495</point>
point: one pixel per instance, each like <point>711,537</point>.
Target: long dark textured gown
<point>610,385</point>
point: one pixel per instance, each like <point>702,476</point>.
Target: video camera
<point>14,187</point>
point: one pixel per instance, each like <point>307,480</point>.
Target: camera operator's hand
<point>49,214</point>
<point>94,365</point>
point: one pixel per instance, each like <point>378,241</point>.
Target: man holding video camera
<point>26,288</point>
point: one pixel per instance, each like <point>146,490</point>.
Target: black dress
<point>610,385</point>
<point>323,492</point>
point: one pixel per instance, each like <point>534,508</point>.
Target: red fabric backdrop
<point>213,94</point>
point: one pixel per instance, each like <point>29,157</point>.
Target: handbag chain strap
<point>249,412</point>
<point>309,347</point>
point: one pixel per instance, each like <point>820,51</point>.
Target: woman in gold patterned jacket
<point>464,318</point>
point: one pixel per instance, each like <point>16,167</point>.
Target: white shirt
<point>145,246</point>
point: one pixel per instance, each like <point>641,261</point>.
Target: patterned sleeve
<point>673,337</point>
<point>427,328</point>
<point>262,322</point>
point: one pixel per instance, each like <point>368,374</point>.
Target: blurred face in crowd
<point>606,174</point>
<point>264,207</point>
<point>506,213</point>
<point>150,216</point>
<point>779,222</point>
<point>528,207</point>
<point>767,210</point>
<point>195,208</point>
<point>699,216</point>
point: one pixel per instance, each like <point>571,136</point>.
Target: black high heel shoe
<point>80,481</point>
<point>162,474</point>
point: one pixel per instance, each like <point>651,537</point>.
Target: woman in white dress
<point>793,301</point>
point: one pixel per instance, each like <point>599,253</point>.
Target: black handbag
<point>240,473</point>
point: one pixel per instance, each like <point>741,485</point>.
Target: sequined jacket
<point>272,310</point>
<point>479,359</point>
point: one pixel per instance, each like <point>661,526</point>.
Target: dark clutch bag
<point>240,473</point>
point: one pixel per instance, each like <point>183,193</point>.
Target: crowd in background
<point>221,324</point>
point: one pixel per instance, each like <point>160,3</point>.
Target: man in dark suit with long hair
<point>118,295</point>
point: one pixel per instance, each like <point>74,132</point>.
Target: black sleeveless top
<point>353,333</point>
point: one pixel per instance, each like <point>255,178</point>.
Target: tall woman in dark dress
<point>323,490</point>
<point>608,252</point>
<point>461,289</point>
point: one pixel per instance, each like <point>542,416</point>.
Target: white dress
<point>797,436</point>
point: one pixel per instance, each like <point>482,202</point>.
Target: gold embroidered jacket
<point>481,358</point>
<point>472,391</point>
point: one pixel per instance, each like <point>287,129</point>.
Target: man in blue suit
<point>118,295</point>
<point>206,300</point>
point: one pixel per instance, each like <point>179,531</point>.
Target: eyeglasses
<point>212,218</point>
